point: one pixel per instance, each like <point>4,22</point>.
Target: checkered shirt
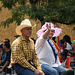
<point>23,51</point>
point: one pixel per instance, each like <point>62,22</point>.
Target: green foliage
<point>61,11</point>
<point>10,3</point>
<point>18,14</point>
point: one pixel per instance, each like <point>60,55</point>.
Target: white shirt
<point>68,47</point>
<point>64,63</point>
<point>45,52</point>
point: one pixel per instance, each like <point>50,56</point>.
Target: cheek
<point>29,33</point>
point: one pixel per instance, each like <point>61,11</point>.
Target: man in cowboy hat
<point>23,51</point>
<point>46,49</point>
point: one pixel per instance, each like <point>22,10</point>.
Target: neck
<point>27,38</point>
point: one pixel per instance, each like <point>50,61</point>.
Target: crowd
<point>37,57</point>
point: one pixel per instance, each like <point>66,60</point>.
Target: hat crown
<point>41,31</point>
<point>44,26</point>
<point>52,25</point>
<point>26,22</point>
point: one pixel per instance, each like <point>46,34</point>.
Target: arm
<point>40,41</point>
<point>48,33</point>
<point>7,60</point>
<point>5,65</point>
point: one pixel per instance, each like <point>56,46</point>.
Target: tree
<point>61,11</point>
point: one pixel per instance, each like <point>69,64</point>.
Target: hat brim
<point>20,27</point>
<point>56,34</point>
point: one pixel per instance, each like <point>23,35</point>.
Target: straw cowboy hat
<point>41,31</point>
<point>24,23</point>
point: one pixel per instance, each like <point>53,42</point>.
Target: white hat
<point>24,23</point>
<point>41,31</point>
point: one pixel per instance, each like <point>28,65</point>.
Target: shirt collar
<point>23,39</point>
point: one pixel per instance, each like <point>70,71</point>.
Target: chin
<point>28,35</point>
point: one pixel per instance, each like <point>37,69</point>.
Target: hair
<point>7,44</point>
<point>7,40</point>
<point>62,41</point>
<point>67,39</point>
<point>17,36</point>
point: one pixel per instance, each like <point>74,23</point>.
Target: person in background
<point>73,45</point>
<point>63,57</point>
<point>68,40</point>
<point>6,39</point>
<point>46,51</point>
<point>5,57</point>
<point>72,52</point>
<point>72,56</point>
<point>23,53</point>
<point>1,51</point>
<point>1,54</point>
<point>63,44</point>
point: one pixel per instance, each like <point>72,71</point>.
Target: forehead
<point>27,28</point>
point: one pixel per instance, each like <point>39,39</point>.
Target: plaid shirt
<point>23,51</point>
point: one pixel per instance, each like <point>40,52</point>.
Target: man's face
<point>52,31</point>
<point>27,31</point>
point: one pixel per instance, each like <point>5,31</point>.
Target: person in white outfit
<point>68,40</point>
<point>45,50</point>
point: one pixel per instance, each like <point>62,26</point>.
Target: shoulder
<point>31,41</point>
<point>17,41</point>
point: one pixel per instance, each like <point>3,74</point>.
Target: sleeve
<point>17,56</point>
<point>58,60</point>
<point>39,42</point>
